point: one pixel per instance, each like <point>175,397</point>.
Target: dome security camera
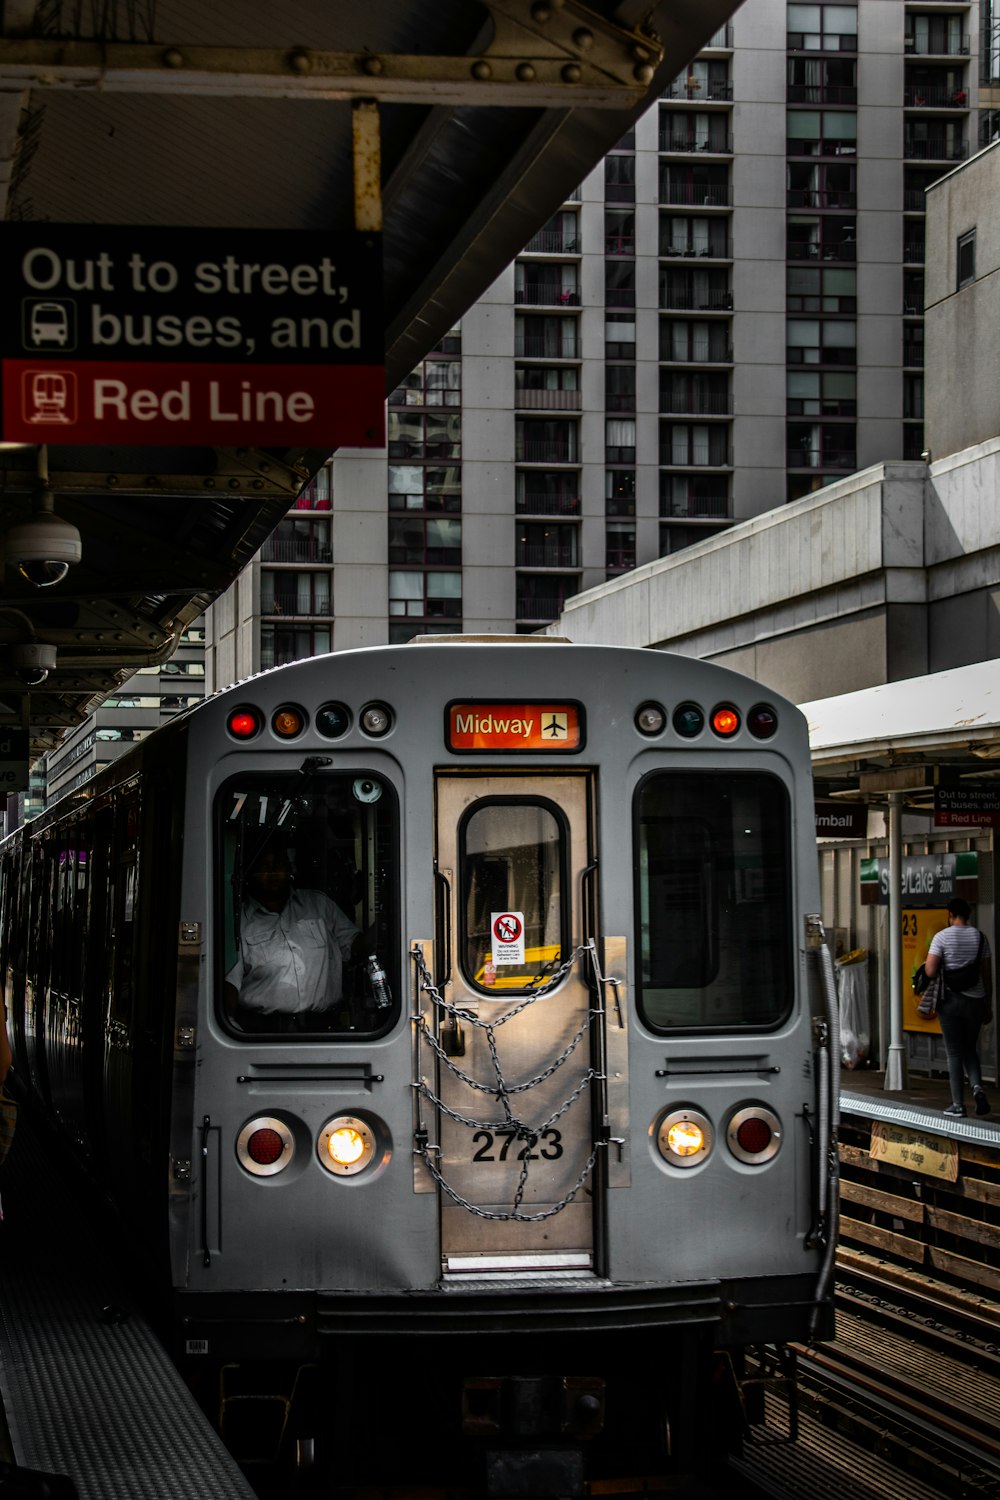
<point>32,661</point>
<point>43,547</point>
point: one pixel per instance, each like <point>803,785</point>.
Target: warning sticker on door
<point>508,937</point>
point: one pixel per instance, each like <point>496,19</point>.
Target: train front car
<point>504,1102</point>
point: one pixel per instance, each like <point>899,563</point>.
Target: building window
<point>620,547</point>
<point>417,595</point>
<point>413,487</point>
<point>966,258</point>
<point>620,441</point>
<point>419,540</point>
<point>620,492</point>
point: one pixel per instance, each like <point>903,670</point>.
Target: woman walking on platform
<point>966,1002</point>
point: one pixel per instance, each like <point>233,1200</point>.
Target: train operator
<point>289,975</point>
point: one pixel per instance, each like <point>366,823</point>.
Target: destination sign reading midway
<point>113,335</point>
<point>515,726</point>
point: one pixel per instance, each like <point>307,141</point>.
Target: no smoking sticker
<point>508,937</point>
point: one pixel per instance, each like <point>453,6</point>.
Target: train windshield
<point>306,872</point>
<point>714,901</point>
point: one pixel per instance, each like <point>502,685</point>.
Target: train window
<point>512,861</point>
<point>713,896</point>
<point>306,873</point>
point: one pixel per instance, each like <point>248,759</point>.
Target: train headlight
<point>684,1137</point>
<point>346,1145</point>
<point>265,1146</point>
<point>754,1134</point>
<point>376,719</point>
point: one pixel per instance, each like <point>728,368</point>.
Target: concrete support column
<point>895,1064</point>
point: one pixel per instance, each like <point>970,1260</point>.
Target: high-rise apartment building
<point>727,316</point>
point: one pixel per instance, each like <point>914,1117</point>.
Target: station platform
<point>919,1104</point>
<point>88,1391</point>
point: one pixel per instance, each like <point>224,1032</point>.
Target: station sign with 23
<point>122,335</point>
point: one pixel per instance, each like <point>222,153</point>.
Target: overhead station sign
<point>111,335</point>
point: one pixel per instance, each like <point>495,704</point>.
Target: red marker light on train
<point>754,1134</point>
<point>288,722</point>
<point>762,721</point>
<point>725,720</point>
<point>243,723</point>
<point>264,1147</point>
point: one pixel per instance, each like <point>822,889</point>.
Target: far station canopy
<point>900,736</point>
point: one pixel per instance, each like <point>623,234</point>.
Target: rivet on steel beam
<point>372,66</point>
<point>210,484</point>
<point>112,479</point>
<point>258,484</point>
<point>234,484</point>
<point>541,12</point>
<point>643,73</point>
<point>173,58</point>
<point>525,73</point>
<point>583,39</point>
<point>482,71</point>
<point>299,61</point>
<point>640,53</point>
<point>571,73</point>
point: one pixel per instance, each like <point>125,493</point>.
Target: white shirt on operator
<point>292,960</point>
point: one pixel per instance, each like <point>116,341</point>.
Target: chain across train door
<point>514,1073</point>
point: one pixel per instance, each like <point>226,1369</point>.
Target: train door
<point>514,1069</point>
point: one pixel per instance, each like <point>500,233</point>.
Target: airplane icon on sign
<point>557,727</point>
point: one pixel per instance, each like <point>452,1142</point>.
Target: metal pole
<point>895,1064</point>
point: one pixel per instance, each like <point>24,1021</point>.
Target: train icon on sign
<point>49,396</point>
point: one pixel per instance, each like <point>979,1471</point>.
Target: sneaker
<point>982,1103</point>
<point>955,1109</point>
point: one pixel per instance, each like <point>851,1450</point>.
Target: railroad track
<point>903,1403</point>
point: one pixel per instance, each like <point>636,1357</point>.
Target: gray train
<point>452,1029</point>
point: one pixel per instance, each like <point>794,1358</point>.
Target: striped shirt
<point>958,946</point>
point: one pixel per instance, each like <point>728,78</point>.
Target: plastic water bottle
<point>379,984</point>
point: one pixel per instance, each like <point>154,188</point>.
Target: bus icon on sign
<point>49,396</point>
<point>49,325</point>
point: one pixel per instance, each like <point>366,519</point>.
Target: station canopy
<point>920,737</point>
<point>448,131</point>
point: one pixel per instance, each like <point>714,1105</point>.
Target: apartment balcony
<point>697,457</point>
<point>540,503</point>
<point>619,244</point>
<point>814,41</point>
<point>696,403</point>
<point>937,46</point>
<point>619,296</point>
<point>291,605</point>
<point>712,92</point>
<point>843,250</point>
<point>528,346</point>
<point>541,451</point>
<point>696,195</point>
<point>938,149</point>
<point>713,507</point>
<point>822,93</point>
<point>619,401</point>
<point>553,554</point>
<point>698,249</point>
<point>913,252</point>
<point>277,551</point>
<point>552,242</point>
<point>550,295</point>
<point>821,198</point>
<point>547,400</point>
<point>687,299</point>
<point>934,96</point>
<point>707,354</point>
<point>827,458</point>
<point>540,611</point>
<point>619,192</point>
<point>619,560</point>
<point>913,353</point>
<point>689,145</point>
